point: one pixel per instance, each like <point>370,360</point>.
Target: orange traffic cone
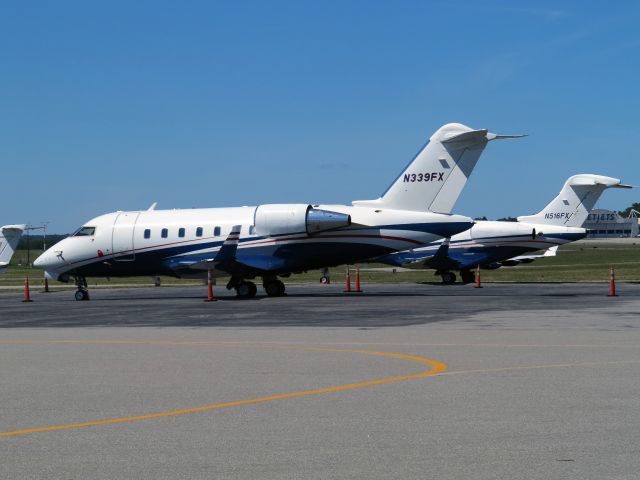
<point>347,282</point>
<point>210,287</point>
<point>478,285</point>
<point>27,293</point>
<point>612,284</point>
<point>357,290</point>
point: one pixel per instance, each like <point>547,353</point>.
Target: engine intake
<point>287,219</point>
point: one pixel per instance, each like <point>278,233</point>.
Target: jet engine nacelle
<point>287,219</point>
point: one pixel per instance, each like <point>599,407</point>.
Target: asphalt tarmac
<point>401,381</point>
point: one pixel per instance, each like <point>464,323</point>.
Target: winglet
<point>230,246</point>
<point>443,250</point>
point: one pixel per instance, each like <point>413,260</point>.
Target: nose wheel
<point>82,293</point>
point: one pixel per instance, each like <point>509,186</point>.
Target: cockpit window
<point>85,232</point>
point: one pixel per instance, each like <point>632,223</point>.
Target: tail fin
<point>574,202</point>
<point>436,176</point>
<point>9,238</point>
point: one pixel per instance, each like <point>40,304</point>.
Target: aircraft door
<point>122,239</point>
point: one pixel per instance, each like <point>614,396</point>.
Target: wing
<point>440,259</point>
<point>226,260</point>
<point>550,252</point>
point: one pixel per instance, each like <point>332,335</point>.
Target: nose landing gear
<point>83,292</point>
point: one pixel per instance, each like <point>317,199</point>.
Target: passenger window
<point>181,232</point>
<point>147,233</point>
<point>164,233</point>
<point>199,232</point>
<point>85,232</point>
<point>216,232</point>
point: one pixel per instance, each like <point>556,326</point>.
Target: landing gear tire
<point>82,295</point>
<point>324,280</point>
<point>274,288</point>
<point>448,278</point>
<point>246,290</point>
<point>467,276</point>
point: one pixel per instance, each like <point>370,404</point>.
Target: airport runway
<point>402,381</point>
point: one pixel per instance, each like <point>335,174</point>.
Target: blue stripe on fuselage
<point>290,257</point>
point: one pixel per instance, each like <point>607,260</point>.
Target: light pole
<point>42,227</point>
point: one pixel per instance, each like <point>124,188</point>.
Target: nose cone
<point>40,261</point>
<point>44,261</point>
<point>48,262</point>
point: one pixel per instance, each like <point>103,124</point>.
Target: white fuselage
<point>488,242</point>
<point>165,241</point>
<point>529,236</point>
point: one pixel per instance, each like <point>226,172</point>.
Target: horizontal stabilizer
<point>13,228</point>
<point>493,136</point>
<point>469,138</point>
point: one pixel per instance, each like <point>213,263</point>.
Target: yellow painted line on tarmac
<point>435,367</point>
<point>543,366</point>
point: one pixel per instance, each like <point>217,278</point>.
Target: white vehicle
<point>492,244</point>
<point>9,238</point>
<point>268,241</point>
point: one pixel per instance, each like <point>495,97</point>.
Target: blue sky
<point>115,105</point>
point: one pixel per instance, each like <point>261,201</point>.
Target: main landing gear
<point>467,276</point>
<point>82,293</point>
<point>246,289</point>
<point>274,288</point>
<point>448,278</point>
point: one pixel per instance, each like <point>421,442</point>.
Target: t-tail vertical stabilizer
<point>574,202</point>
<point>9,238</point>
<point>434,179</point>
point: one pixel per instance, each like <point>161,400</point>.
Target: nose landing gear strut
<point>83,292</point>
